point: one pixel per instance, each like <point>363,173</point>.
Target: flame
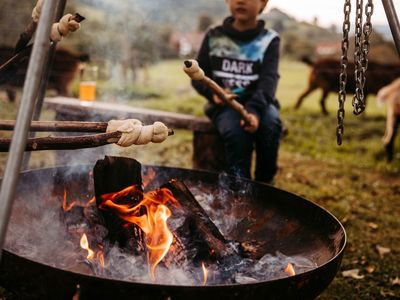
<point>153,222</point>
<point>67,207</point>
<point>205,273</point>
<point>290,270</point>
<point>85,245</point>
<point>100,258</point>
<point>90,202</point>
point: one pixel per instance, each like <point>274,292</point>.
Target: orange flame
<point>67,207</point>
<point>85,245</point>
<point>290,270</point>
<point>205,273</point>
<point>100,258</point>
<point>90,202</point>
<point>153,222</point>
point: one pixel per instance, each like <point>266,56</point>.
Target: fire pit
<point>43,259</point>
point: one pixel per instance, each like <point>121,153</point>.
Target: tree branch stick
<point>22,50</point>
<point>191,69</point>
<point>59,126</point>
<point>62,126</point>
<point>67,142</point>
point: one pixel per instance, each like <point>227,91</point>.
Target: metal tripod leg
<point>393,20</point>
<point>29,95</point>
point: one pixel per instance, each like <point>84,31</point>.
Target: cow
<point>390,95</point>
<point>66,65</point>
<point>325,75</point>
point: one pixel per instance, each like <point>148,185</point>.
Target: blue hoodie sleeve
<point>268,81</point>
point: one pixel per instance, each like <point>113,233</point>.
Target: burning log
<point>112,175</point>
<point>193,237</point>
<point>199,233</point>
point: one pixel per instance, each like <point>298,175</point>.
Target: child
<point>242,56</point>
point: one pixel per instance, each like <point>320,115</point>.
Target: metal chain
<point>362,60</point>
<point>343,71</point>
<point>367,30</point>
<point>358,98</point>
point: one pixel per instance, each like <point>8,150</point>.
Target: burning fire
<point>67,207</point>
<point>290,270</point>
<point>205,273</point>
<point>85,245</point>
<point>150,215</point>
<point>100,257</point>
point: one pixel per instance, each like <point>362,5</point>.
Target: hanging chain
<point>358,98</point>
<point>343,71</point>
<point>361,53</point>
<point>362,47</point>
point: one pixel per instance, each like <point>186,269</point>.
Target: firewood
<point>202,239</point>
<point>111,175</point>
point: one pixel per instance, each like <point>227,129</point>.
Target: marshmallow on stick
<point>193,70</point>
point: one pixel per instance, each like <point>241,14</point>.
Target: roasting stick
<point>193,70</point>
<point>23,51</point>
<point>123,132</point>
<point>61,126</point>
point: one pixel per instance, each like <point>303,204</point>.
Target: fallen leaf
<point>370,269</point>
<point>396,281</point>
<point>353,274</point>
<point>382,250</point>
<point>385,293</point>
<point>373,225</point>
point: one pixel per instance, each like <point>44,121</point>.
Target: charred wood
<point>202,239</point>
<point>111,175</point>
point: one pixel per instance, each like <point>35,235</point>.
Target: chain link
<point>361,57</point>
<point>361,51</point>
<point>358,98</point>
<point>343,72</point>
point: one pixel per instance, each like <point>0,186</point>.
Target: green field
<point>352,181</point>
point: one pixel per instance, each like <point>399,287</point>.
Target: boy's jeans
<point>239,144</point>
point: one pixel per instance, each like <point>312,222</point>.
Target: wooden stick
<point>62,126</point>
<point>67,142</point>
<point>22,51</point>
<point>193,69</point>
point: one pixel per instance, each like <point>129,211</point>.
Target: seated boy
<point>242,56</point>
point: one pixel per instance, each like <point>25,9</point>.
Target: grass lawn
<point>352,181</point>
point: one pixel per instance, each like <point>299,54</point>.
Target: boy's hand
<point>229,95</point>
<point>254,124</point>
<point>217,100</point>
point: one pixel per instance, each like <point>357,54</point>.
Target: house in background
<point>331,49</point>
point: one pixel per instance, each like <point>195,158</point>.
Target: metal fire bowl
<point>286,223</point>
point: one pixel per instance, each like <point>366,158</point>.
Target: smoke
<point>41,231</point>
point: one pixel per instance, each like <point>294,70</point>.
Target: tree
<point>205,21</point>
